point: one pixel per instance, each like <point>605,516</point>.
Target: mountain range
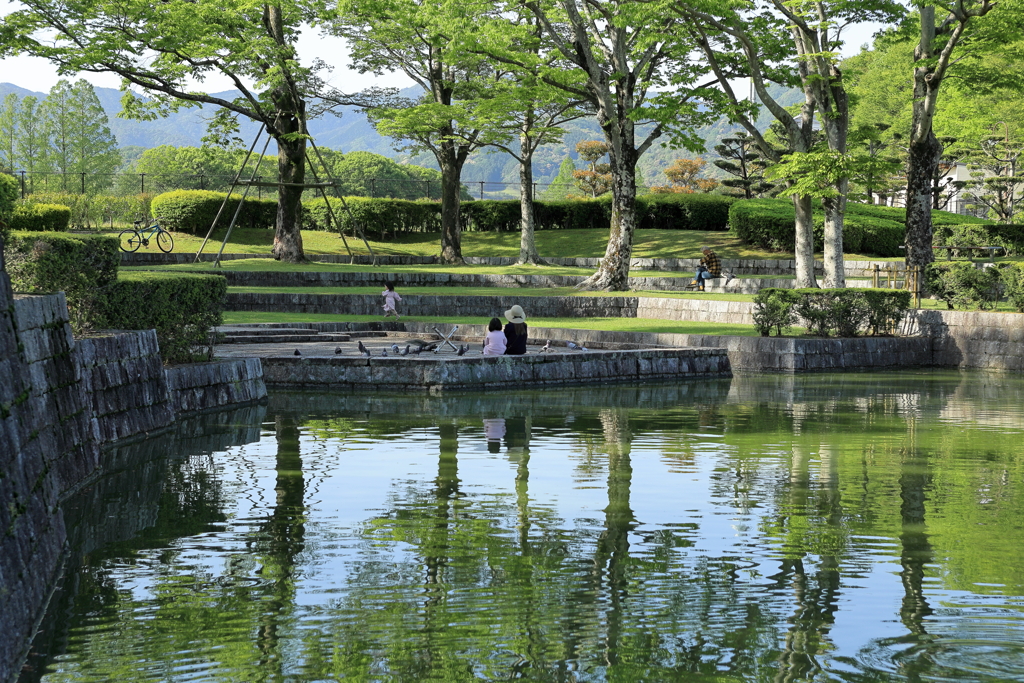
<point>351,132</point>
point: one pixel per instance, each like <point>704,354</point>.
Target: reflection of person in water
<point>517,434</point>
<point>494,429</point>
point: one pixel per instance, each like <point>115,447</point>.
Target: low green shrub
<point>963,285</point>
<point>1012,276</point>
<point>8,196</point>
<point>41,218</point>
<point>773,309</point>
<point>181,308</point>
<point>577,214</point>
<point>887,309</point>
<point>842,312</point>
<point>193,211</point>
<point>766,223</point>
<point>96,210</point>
<point>79,265</point>
<point>853,232</point>
<point>493,215</point>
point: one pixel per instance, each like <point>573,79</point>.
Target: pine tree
<point>741,159</point>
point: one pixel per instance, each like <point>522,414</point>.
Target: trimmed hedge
<point>193,211</point>
<point>843,312</point>
<point>665,212</point>
<point>41,218</point>
<point>181,308</point>
<point>375,215</point>
<point>8,195</point>
<point>96,210</point>
<point>79,265</point>
<point>879,230</point>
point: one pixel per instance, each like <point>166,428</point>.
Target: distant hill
<point>352,132</point>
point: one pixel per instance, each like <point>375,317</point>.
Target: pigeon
<point>337,351</point>
<point>362,349</point>
<point>572,346</point>
<point>584,348</point>
<point>394,349</point>
<point>297,353</point>
<point>461,351</point>
<point>417,351</point>
<point>384,352</point>
<point>405,351</point>
<point>546,348</point>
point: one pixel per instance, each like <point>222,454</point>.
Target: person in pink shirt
<point>390,299</point>
<point>494,342</point>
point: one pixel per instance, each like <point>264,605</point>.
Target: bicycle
<point>136,237</point>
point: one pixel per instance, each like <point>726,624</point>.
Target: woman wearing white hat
<point>515,331</point>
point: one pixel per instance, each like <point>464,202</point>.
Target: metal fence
<point>128,184</point>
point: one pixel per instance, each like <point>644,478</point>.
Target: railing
<point>891,277</point>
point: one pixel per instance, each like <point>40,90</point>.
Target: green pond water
<point>856,527</point>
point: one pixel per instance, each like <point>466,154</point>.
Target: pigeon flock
<point>418,346</point>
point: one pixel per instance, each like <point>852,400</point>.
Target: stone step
<point>260,331</point>
<point>307,336</point>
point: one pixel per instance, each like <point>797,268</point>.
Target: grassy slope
<point>551,243</point>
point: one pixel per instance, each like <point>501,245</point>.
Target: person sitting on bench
<point>709,267</point>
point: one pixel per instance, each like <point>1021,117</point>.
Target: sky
<point>39,75</point>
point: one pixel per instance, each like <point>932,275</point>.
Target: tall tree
<point>167,49</point>
<point>9,116</point>
<point>529,110</point>
<point>31,146</point>
<point>941,30</point>
<point>750,41</point>
<point>58,114</point>
<point>617,51</point>
<point>421,40</point>
<point>94,147</point>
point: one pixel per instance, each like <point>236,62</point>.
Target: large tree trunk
<point>835,218</point>
<point>804,242</point>
<point>527,242</point>
<point>922,162</point>
<point>451,161</point>
<point>613,273</point>
<point>291,169</point>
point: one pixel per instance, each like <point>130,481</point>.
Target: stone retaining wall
<point>124,376</point>
<point>680,265</point>
<point>208,386</point>
<point>486,307</point>
<point>973,339</point>
<point>59,401</point>
<point>436,374</point>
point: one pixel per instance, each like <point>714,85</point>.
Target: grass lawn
<point>551,243</point>
<point>442,290</point>
<point>604,324</point>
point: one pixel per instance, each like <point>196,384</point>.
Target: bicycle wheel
<point>164,241</point>
<point>130,240</point>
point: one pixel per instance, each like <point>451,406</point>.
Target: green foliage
<point>695,211</point>
<point>41,218</point>
<point>1008,236</point>
<point>1012,275</point>
<point>963,285</point>
<point>498,216</point>
<point>887,309</point>
<point>773,309</point>
<point>96,210</point>
<point>181,308</point>
<point>193,211</point>
<point>374,215</point>
<point>880,230</point>
<point>843,312</point>
<point>80,266</point>
<point>8,195</point>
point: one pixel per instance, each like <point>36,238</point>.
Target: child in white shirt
<point>494,342</point>
<point>390,299</point>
